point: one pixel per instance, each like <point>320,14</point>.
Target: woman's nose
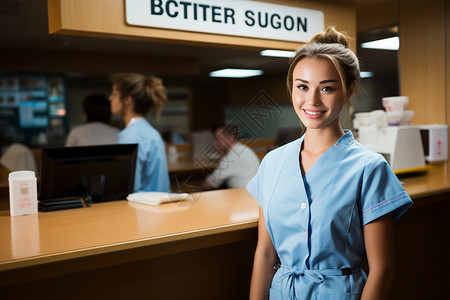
<point>313,98</point>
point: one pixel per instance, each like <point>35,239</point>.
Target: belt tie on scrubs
<point>317,276</point>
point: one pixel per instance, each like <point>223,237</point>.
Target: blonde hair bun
<point>158,93</point>
<point>331,36</point>
<point>148,93</point>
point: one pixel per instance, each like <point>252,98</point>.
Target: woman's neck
<point>127,117</point>
<point>319,140</point>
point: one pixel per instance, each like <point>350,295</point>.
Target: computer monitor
<point>33,114</point>
<point>100,173</point>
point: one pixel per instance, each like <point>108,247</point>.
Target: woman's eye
<point>302,87</point>
<point>327,89</point>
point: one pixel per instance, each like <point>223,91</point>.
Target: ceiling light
<point>392,43</point>
<point>236,73</point>
<point>277,53</point>
<point>365,74</point>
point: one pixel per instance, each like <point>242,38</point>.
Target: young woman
<point>132,97</point>
<point>325,200</point>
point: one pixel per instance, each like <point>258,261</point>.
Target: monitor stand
<point>59,204</point>
<point>92,188</point>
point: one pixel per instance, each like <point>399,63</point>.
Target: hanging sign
<point>232,17</point>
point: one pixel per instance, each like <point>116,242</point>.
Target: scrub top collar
<point>135,119</point>
<point>346,140</point>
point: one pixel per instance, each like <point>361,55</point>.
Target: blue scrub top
<point>316,221</point>
<point>151,165</point>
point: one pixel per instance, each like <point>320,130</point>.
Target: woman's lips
<point>314,114</point>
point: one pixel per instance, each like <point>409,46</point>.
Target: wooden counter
<point>199,250</point>
<point>153,241</point>
<point>120,225</point>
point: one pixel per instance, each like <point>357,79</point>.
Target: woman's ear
<point>351,89</point>
<point>127,100</point>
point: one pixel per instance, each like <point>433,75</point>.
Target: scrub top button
<point>303,205</point>
<point>305,233</point>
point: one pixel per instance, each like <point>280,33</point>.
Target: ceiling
<point>23,25</point>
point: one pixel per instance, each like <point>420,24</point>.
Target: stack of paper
<point>156,198</point>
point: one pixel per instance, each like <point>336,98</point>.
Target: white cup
<point>397,103</point>
<point>394,118</point>
<point>407,116</point>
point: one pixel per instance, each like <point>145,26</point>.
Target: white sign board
<point>231,17</point>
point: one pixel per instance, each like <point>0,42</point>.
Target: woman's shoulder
<point>138,127</point>
<point>279,154</point>
<point>365,156</point>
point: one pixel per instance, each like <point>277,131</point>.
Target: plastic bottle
<point>172,155</point>
<point>22,193</point>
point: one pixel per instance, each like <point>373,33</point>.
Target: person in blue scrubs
<point>133,96</point>
<point>326,201</point>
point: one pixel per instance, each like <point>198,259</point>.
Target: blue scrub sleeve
<point>254,186</point>
<point>262,185</point>
<point>382,192</point>
<point>126,138</point>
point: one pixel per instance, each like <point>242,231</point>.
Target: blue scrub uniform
<point>151,165</point>
<point>316,221</point>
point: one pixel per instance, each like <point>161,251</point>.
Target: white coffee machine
<point>400,145</point>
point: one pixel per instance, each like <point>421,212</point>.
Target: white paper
<point>156,198</point>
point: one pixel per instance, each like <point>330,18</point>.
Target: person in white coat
<point>238,163</point>
<point>97,131</point>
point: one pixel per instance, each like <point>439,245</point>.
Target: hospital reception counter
<point>192,250</point>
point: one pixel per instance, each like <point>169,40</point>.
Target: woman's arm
<point>379,241</point>
<point>265,259</point>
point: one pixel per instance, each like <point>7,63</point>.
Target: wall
<point>447,60</point>
<point>377,15</point>
<point>423,55</point>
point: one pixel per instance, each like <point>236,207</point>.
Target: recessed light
<point>236,73</point>
<point>392,43</point>
<point>277,53</point>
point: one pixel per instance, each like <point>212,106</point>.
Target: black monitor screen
<point>105,172</point>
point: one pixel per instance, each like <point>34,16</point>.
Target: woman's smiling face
<point>317,93</point>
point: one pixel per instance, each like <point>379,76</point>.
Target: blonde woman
<point>132,97</point>
<point>326,201</point>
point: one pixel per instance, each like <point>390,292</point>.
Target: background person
<point>132,97</point>
<point>325,200</point>
<point>238,163</point>
<point>97,131</point>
